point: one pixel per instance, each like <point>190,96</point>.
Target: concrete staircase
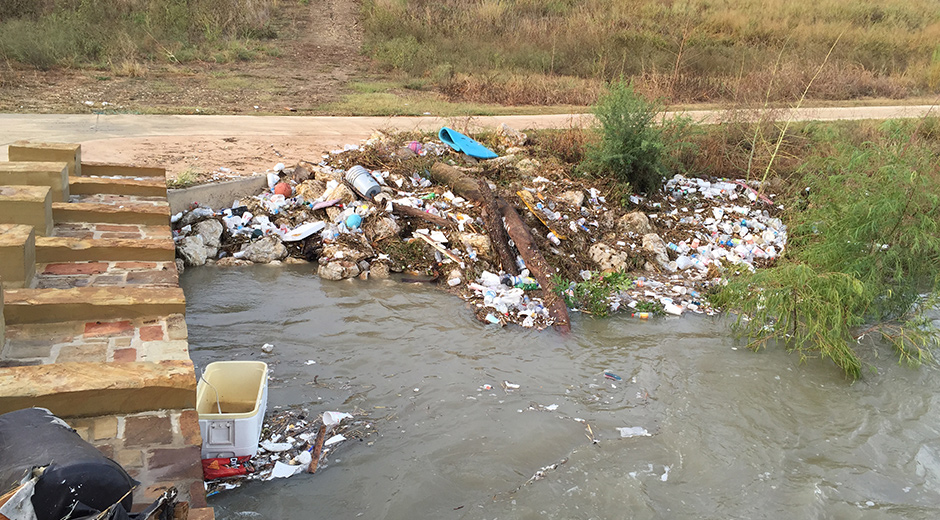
<point>92,324</point>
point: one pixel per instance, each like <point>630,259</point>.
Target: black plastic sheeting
<point>78,481</point>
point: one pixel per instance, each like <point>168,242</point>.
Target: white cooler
<point>231,398</point>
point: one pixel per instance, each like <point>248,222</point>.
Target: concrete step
<point>66,249</point>
<point>58,152</point>
<point>154,187</point>
<point>94,389</point>
<point>28,205</point>
<point>17,256</point>
<point>91,303</point>
<point>123,170</point>
<point>38,173</point>
<point>148,214</point>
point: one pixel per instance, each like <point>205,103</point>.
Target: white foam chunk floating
<point>634,431</point>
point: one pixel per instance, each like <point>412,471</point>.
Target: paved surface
<point>84,127</point>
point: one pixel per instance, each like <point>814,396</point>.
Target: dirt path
<point>245,145</point>
<point>317,53</point>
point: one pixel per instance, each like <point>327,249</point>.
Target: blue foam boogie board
<point>464,144</point>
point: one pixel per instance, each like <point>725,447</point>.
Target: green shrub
<point>863,256</point>
<point>633,148</point>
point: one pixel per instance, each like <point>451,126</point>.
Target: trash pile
<point>417,207</point>
<point>292,442</point>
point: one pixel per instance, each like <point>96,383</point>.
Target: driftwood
<point>535,262</point>
<point>417,213</point>
<point>317,449</point>
<point>494,228</point>
<point>517,230</point>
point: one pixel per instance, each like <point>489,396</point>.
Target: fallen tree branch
<point>462,185</point>
<point>417,213</point>
<point>494,228</point>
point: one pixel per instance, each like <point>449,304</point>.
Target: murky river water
<point>734,434</point>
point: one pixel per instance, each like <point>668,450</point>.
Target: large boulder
<point>480,243</point>
<point>211,232</point>
<point>608,258</point>
<point>192,250</point>
<point>654,246</point>
<point>265,250</point>
<point>510,137</point>
<point>634,222</point>
<point>338,270</point>
<point>381,228</point>
<point>310,190</point>
<point>352,247</point>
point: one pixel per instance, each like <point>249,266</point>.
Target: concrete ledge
<point>3,324</point>
<point>65,249</point>
<point>91,303</point>
<point>91,389</point>
<point>27,205</point>
<point>133,187</point>
<point>216,196</point>
<point>129,213</point>
<point>58,152</point>
<point>38,173</point>
<point>122,170</point>
<point>17,256</point>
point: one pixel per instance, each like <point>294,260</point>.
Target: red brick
<point>147,431</point>
<point>85,268</point>
<point>118,228</point>
<point>107,450</point>
<point>109,328</point>
<point>152,333</point>
<point>189,426</point>
<point>136,265</point>
<point>125,355</point>
<point>175,463</point>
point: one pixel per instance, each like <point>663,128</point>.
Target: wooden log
<point>423,215</point>
<point>535,263</point>
<point>494,228</point>
<point>518,231</point>
<point>458,181</point>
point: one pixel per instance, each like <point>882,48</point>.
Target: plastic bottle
<point>554,239</point>
<point>641,315</point>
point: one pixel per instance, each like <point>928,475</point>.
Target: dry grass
<point>685,51</point>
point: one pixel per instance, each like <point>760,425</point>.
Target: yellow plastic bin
<point>231,398</point>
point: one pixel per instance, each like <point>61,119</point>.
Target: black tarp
<point>77,481</point>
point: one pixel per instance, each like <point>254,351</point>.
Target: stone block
<point>125,355</point>
<point>88,352</point>
<point>151,333</point>
<point>110,328</point>
<point>164,350</point>
<point>129,213</point>
<point>79,268</point>
<point>91,303</point>
<point>189,427</point>
<point>69,249</point>
<point>176,327</point>
<point>175,463</point>
<point>124,170</point>
<point>55,175</point>
<point>107,450</point>
<point>59,152</point>
<point>147,431</point>
<point>105,427</point>
<point>95,389</point>
<point>17,255</point>
<point>129,458</point>
<point>155,187</point>
<point>28,205</point>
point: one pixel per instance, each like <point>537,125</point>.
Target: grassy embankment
<point>542,52</point>
<point>127,35</point>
